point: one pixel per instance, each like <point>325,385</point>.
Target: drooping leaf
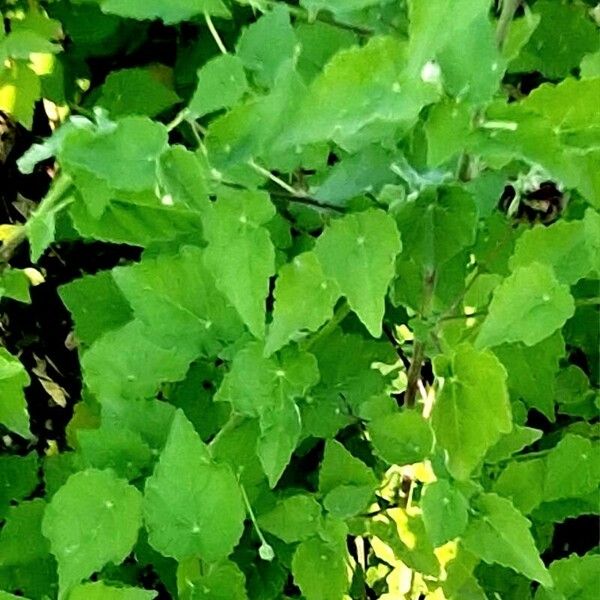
<point>192,505</point>
<point>574,577</point>
<point>97,502</point>
<point>528,306</point>
<point>463,425</point>
<point>358,252</point>
<point>499,533</point>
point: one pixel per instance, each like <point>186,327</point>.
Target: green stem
<point>215,34</point>
<point>181,116</point>
<point>61,186</point>
<point>509,8</point>
<point>588,301</point>
<point>265,550</point>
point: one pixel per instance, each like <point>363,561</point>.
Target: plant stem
<point>282,184</point>
<point>509,8</point>
<point>61,186</point>
<point>414,374</point>
<point>252,516</point>
<point>215,34</point>
<point>179,118</point>
<point>588,301</point>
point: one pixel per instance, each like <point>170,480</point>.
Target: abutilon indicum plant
<point>299,299</point>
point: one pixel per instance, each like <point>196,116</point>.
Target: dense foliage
<point>332,277</point>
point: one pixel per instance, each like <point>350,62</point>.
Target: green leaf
<point>14,284</point>
<point>134,371</point>
<point>366,171</point>
<point>192,505</point>
<point>532,370</point>
<point>556,52</point>
<point>137,92</point>
<point>459,36</point>
<point>445,511</point>
<point>528,306</point>
<point>346,483</point>
<point>100,591</point>
<point>267,388</point>
<point>437,225</point>
<point>564,481</point>
<point>18,478</point>
<point>175,297</point>
<point>319,42</point>
<point>401,438</point>
<point>563,246</point>
<point>266,59</point>
<point>512,442</point>
<point>92,520</point>
<point>13,407</point>
<point>234,227</point>
<point>183,178</point>
<point>499,533</point>
<point>20,88</point>
<point>304,300</point>
<point>173,12</point>
<point>292,519</point>
<point>217,581</point>
<point>280,429</point>
<point>464,426</point>
<point>119,449</point>
<point>87,299</point>
<point>575,578</point>
<point>221,83</point>
<point>21,540</point>
<point>361,95</point>
<point>522,483</point>
<point>139,219</point>
<point>123,155</point>
<point>319,569</point>
<point>337,6</point>
<point>358,251</point>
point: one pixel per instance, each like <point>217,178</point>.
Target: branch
<point>414,374</point>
